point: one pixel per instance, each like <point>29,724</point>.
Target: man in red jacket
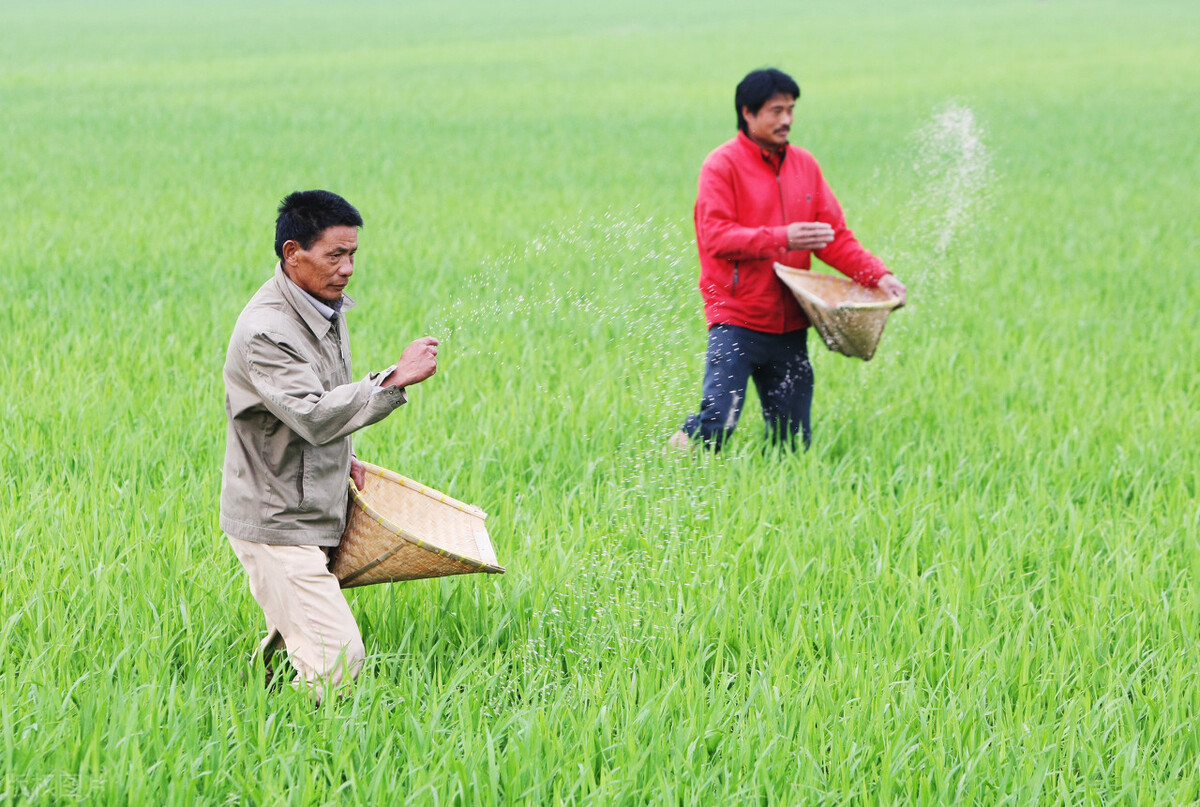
<point>762,200</point>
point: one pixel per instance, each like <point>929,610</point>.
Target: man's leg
<point>784,379</point>
<point>725,377</point>
<point>271,644</point>
<point>303,601</point>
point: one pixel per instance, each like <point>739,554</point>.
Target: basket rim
<point>360,502</point>
<point>424,490</point>
<point>821,277</point>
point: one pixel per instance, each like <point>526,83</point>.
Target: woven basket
<point>399,529</point>
<point>849,317</point>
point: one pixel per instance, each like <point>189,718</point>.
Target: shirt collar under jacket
<point>323,308</point>
<point>308,307</point>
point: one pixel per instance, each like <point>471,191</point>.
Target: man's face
<point>770,127</point>
<point>323,270</point>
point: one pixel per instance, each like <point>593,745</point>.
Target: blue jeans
<point>782,373</point>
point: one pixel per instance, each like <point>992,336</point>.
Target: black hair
<point>758,87</point>
<point>304,215</point>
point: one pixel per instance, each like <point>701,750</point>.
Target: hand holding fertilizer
<point>417,363</point>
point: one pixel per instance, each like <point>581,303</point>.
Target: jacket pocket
<point>733,285</point>
<point>319,479</point>
<point>303,484</point>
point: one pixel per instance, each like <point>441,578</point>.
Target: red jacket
<point>747,198</point>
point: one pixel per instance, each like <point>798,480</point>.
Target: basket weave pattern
<point>849,317</point>
<point>399,529</point>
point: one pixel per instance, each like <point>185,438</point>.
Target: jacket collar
<point>772,159</point>
<point>303,307</point>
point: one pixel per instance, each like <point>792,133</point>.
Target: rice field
<point>980,586</point>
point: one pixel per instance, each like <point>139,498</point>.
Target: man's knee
<point>344,663</point>
<point>355,655</point>
<point>335,670</point>
<point>713,438</point>
<point>784,433</point>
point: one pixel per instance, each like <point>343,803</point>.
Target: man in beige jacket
<point>291,405</point>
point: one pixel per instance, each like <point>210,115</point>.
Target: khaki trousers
<point>306,610</point>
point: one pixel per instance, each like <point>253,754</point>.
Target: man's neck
<point>327,308</point>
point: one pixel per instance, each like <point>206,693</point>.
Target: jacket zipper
<point>733,291</point>
<point>782,208</point>
<point>336,329</point>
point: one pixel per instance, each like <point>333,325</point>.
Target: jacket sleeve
<point>290,387</point>
<point>844,252</point>
<point>717,229</point>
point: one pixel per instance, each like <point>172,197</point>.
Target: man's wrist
<point>781,238</point>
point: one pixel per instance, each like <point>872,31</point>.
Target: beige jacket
<point>291,407</point>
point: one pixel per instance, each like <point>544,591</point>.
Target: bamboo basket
<point>399,529</point>
<point>849,317</point>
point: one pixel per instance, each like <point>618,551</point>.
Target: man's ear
<point>290,248</point>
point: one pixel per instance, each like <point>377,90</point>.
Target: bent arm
<point>844,252</point>
<point>717,229</point>
<point>289,386</point>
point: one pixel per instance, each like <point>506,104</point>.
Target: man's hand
<point>417,363</point>
<point>358,472</point>
<point>808,235</point>
<point>891,285</point>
